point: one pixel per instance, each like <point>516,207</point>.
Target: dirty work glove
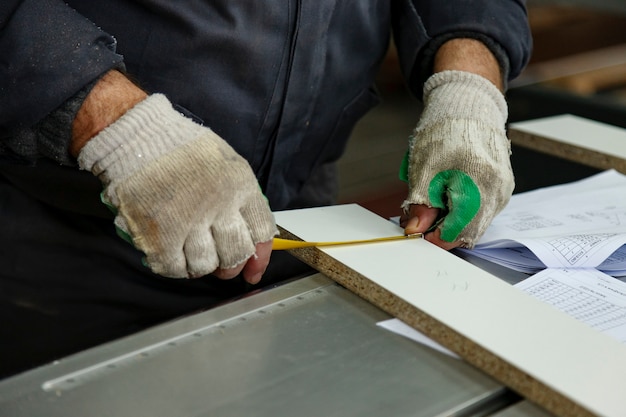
<point>185,197</point>
<point>459,155</point>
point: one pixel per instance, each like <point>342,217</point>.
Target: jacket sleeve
<point>420,27</point>
<point>49,53</point>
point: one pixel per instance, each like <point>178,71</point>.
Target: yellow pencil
<point>285,244</point>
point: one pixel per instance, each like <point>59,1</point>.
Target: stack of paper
<point>576,225</point>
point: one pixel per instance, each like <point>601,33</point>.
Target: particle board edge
<point>481,358</point>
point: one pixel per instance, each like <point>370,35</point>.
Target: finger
<point>259,218</point>
<point>252,269</point>
<point>165,260</point>
<point>435,238</point>
<point>257,264</point>
<point>420,218</point>
<point>200,251</point>
<point>228,273</point>
<point>232,241</point>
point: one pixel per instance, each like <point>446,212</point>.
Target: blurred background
<point>578,66</point>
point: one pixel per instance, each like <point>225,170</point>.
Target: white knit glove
<point>459,155</point>
<point>185,197</point>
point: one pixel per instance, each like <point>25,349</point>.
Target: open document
<point>577,225</point>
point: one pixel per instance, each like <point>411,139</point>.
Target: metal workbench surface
<point>307,348</point>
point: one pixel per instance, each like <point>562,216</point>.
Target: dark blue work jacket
<point>283,81</point>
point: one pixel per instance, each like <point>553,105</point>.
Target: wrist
<point>470,55</point>
<point>108,100</point>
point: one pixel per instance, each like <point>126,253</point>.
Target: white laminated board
<point>548,357</point>
<point>573,138</point>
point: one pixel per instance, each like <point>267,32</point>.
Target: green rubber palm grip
<point>121,233</point>
<point>456,192</point>
<point>403,173</point>
<point>453,191</point>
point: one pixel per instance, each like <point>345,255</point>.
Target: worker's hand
<point>458,167</point>
<point>182,194</point>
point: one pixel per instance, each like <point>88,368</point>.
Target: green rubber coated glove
<point>181,193</point>
<point>459,155</point>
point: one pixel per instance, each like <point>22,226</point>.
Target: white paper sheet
<point>401,328</point>
<point>587,295</point>
<point>576,225</point>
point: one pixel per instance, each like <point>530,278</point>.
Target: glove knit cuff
<point>147,131</point>
<point>461,90</point>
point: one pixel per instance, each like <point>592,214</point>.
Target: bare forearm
<point>469,55</point>
<point>110,98</point>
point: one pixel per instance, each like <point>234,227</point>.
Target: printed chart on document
<point>572,237</point>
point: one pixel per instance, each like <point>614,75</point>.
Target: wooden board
<point>551,359</point>
<point>573,138</point>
